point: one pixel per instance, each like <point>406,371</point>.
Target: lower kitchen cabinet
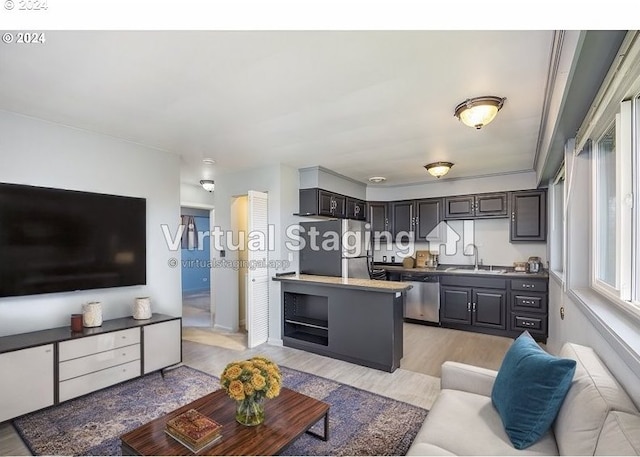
<point>498,305</point>
<point>473,307</point>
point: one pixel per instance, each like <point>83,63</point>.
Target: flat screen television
<point>55,240</point>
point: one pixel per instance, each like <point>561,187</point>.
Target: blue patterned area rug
<point>361,423</point>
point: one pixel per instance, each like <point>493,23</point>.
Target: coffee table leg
<point>324,437</point>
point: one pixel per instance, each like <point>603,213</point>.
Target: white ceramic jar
<point>142,308</point>
<point>92,314</point>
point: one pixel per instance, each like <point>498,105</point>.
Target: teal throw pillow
<point>529,390</point>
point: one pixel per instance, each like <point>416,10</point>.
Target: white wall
<point>491,236</point>
<point>39,153</point>
<point>281,184</point>
<point>445,187</point>
<point>194,196</point>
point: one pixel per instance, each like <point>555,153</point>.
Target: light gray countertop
<point>372,285</point>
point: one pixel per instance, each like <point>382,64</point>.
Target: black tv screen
<point>54,240</point>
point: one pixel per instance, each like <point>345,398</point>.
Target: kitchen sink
<point>475,272</point>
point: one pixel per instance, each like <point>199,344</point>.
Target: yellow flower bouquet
<point>249,382</point>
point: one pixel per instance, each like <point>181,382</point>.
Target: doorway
<point>196,268</point>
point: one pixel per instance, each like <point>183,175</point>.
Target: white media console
<point>47,367</point>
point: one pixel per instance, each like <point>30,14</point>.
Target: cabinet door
<point>355,209</point>
<point>455,305</point>
<point>459,207</point>
<point>26,382</point>
<point>378,217</point>
<point>528,216</point>
<point>326,203</point>
<point>491,205</point>
<point>162,344</point>
<point>339,203</point>
<point>428,216</point>
<point>489,308</point>
<point>402,219</point>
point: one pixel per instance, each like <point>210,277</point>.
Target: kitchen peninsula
<point>356,320</point>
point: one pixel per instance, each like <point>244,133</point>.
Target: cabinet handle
<point>468,307</point>
<point>474,307</point>
<point>47,350</point>
<point>513,216</point>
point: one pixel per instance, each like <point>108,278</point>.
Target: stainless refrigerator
<point>336,248</point>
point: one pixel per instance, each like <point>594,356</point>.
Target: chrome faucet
<point>475,254</point>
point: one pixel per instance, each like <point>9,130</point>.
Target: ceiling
<point>359,103</point>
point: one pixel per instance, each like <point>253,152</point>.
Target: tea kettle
<point>534,265</point>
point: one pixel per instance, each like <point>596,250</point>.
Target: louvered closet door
<point>258,284</point>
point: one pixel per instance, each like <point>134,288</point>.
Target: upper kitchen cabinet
<point>402,218</point>
<point>356,209</point>
<point>319,202</point>
<point>476,206</point>
<point>378,217</point>
<point>428,215</point>
<point>528,215</point>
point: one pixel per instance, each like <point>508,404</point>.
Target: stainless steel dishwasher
<point>423,299</point>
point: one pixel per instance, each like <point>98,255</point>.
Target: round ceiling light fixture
<point>479,111</point>
<point>377,179</point>
<point>208,184</point>
<point>208,161</point>
<point>438,169</point>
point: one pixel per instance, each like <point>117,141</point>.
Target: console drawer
<point>99,343</point>
<point>96,362</point>
<point>98,380</point>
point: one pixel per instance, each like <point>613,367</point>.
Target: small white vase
<point>142,308</point>
<point>92,314</point>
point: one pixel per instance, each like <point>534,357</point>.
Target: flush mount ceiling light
<point>438,169</point>
<point>208,184</point>
<point>479,111</point>
<point>377,179</point>
<point>208,161</point>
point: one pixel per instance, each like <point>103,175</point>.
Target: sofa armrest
<point>468,378</point>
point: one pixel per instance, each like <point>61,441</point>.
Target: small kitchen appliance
<point>534,265</point>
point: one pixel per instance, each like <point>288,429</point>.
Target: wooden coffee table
<point>287,416</point>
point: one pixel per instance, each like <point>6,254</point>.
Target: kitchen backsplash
<point>491,236</point>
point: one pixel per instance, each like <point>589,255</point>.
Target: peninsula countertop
<point>372,285</point>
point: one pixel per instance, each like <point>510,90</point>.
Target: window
<point>605,210</point>
<point>615,228</point>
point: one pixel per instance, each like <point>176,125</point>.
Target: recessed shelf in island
<point>306,317</point>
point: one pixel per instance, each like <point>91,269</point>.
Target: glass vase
<point>250,411</point>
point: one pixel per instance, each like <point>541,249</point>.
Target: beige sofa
<point>597,416</point>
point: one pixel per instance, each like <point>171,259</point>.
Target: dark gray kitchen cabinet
<point>460,207</point>
<point>428,215</point>
<point>320,202</point>
<point>455,305</point>
<point>478,206</point>
<point>528,216</point>
<point>529,307</point>
<point>378,217</point>
<point>356,209</point>
<point>402,220</point>
<point>475,304</point>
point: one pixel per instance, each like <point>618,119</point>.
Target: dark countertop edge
<point>294,280</point>
<point>442,271</point>
<point>36,338</point>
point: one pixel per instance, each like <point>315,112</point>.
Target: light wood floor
<point>416,381</point>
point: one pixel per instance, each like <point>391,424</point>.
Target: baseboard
<point>222,328</point>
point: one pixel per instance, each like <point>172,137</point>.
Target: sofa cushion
<point>593,394</point>
<point>620,435</point>
<point>529,389</point>
<point>464,423</point>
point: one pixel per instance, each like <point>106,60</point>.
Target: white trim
<point>624,189</point>
<point>275,342</point>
